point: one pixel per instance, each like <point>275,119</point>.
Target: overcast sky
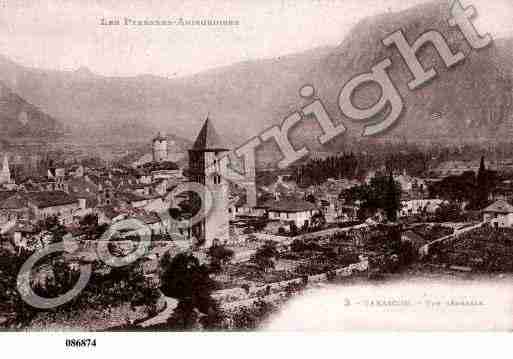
<point>65,35</point>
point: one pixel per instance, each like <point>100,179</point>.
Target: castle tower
<point>159,148</point>
<point>5,174</point>
<point>208,167</point>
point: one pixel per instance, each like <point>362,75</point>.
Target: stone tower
<point>159,148</point>
<point>5,174</point>
<point>207,165</point>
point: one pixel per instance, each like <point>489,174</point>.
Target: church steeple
<point>208,139</point>
<point>207,166</point>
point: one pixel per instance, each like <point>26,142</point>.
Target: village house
<point>503,190</point>
<point>76,171</point>
<point>411,187</point>
<point>282,187</point>
<point>82,187</point>
<point>415,207</point>
<point>13,207</point>
<point>143,229</point>
<point>347,213</point>
<point>47,204</point>
<point>106,195</point>
<point>156,188</point>
<point>154,223</point>
<point>141,189</point>
<point>133,200</point>
<point>166,170</point>
<point>291,210</point>
<point>108,215</point>
<point>329,208</point>
<point>46,184</point>
<point>499,214</point>
<point>453,168</point>
<point>327,197</point>
<point>237,207</point>
<point>23,236</point>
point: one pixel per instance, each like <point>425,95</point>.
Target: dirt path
<point>163,316</point>
<point>424,250</point>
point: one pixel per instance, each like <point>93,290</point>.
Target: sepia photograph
<point>265,166</point>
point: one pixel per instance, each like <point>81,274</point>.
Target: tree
<point>185,279</point>
<point>52,225</point>
<point>264,255</point>
<point>448,212</point>
<point>459,188</point>
<point>293,228</point>
<point>311,198</point>
<point>10,298</point>
<point>383,192</point>
<point>219,256</point>
<point>317,171</point>
<point>252,317</point>
<point>318,220</point>
<point>392,199</point>
<point>191,205</point>
<point>484,183</point>
<point>90,220</point>
<point>92,228</point>
<point>259,225</point>
<point>297,245</point>
<point>185,316</point>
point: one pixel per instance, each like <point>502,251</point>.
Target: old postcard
<point>310,165</point>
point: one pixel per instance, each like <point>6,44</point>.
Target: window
<point>217,179</point>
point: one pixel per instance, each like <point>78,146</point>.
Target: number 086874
<point>80,343</point>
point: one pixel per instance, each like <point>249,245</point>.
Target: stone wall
<point>257,291</point>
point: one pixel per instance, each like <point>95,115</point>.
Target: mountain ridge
<point>474,99</point>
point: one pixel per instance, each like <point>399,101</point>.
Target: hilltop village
<point>333,218</point>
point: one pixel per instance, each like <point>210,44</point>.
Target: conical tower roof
<point>208,139</point>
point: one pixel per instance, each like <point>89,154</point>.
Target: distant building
<point>456,168</point>
<point>5,173</point>
<point>54,203</point>
<point>155,171</point>
<point>13,207</point>
<point>76,171</point>
<point>411,186</point>
<point>127,199</point>
<point>419,206</point>
<point>109,214</point>
<point>54,180</point>
<point>21,233</point>
<point>159,148</point>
